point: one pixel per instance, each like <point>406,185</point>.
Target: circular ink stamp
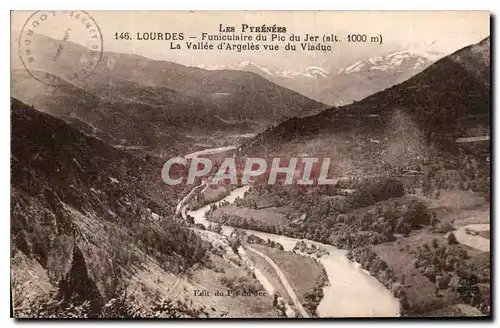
<point>57,47</point>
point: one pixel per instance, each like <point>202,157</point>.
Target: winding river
<point>351,291</point>
<point>475,241</point>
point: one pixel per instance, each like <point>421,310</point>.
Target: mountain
<point>164,89</point>
<point>93,233</point>
<point>348,84</point>
<point>312,72</point>
<point>449,99</point>
<point>401,62</point>
<point>81,211</point>
<point>369,76</point>
<point>115,121</point>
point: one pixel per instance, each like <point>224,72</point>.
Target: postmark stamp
<point>57,47</point>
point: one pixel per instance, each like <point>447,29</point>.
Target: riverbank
<point>305,274</point>
<point>351,292</point>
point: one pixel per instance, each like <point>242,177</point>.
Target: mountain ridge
<point>351,83</point>
<point>450,98</point>
<point>94,235</point>
<point>138,101</point>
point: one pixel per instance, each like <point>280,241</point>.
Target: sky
<point>435,31</point>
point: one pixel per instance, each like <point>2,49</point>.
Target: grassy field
<point>457,310</point>
<point>269,273</point>
<point>268,215</point>
<point>480,260</point>
<point>303,273</point>
<point>455,199</point>
<point>461,207</point>
<point>419,289</point>
<point>455,206</point>
<point>215,192</point>
<point>480,214</point>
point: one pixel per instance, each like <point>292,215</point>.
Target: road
<point>285,282</point>
<point>181,208</point>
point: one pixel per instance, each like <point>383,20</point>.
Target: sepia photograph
<point>250,164</point>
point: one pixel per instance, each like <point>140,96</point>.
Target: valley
<point>401,230</point>
<point>339,288</point>
<point>413,289</point>
<point>160,105</point>
<point>107,226</point>
<point>411,204</point>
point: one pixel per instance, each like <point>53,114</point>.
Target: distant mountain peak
<point>313,72</point>
<point>411,59</point>
<point>448,98</point>
<point>252,67</point>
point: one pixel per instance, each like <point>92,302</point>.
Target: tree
<point>417,215</point>
<point>452,240</point>
<point>435,243</point>
<point>433,219</point>
<point>215,227</point>
<point>402,227</point>
<point>430,272</point>
<point>388,231</point>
